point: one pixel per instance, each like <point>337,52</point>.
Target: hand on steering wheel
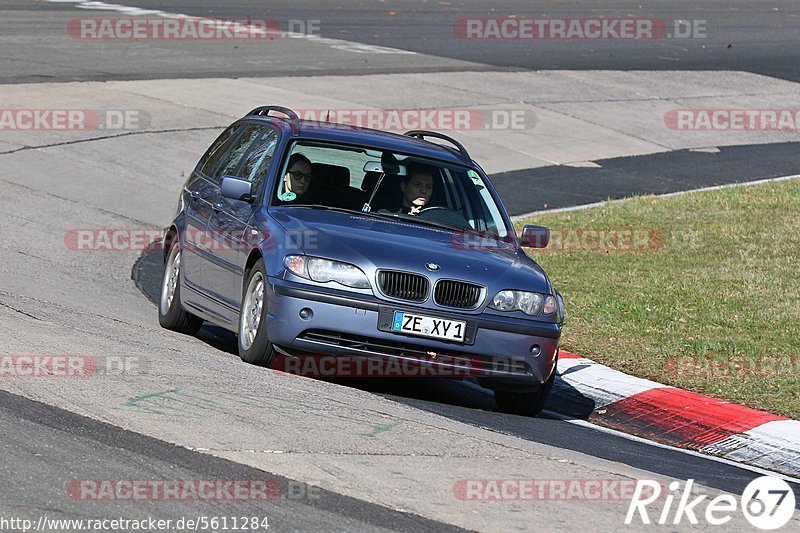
<point>433,208</point>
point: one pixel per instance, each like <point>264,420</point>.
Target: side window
<point>237,150</point>
<point>258,159</point>
<point>212,157</point>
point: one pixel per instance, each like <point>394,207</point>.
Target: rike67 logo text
<point>767,503</point>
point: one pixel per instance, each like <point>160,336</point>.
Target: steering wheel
<point>434,208</point>
<point>445,215</point>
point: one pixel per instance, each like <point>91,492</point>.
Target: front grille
<point>459,294</point>
<point>403,286</point>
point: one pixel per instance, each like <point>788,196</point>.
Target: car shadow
<point>457,399</point>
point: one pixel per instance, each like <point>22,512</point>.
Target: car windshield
<point>388,184</point>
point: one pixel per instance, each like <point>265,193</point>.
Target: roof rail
<point>421,134</point>
<point>291,117</point>
<point>263,111</point>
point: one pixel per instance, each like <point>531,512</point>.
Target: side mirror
<point>535,236</point>
<point>236,189</point>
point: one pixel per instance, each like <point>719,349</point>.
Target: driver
<point>417,187</point>
<point>298,178</point>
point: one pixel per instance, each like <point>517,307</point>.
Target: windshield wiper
<point>326,208</point>
<point>344,210</point>
<point>426,222</point>
<point>390,216</point>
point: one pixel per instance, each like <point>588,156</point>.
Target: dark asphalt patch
<point>553,187</point>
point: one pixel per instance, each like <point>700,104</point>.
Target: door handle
<point>196,195</point>
<point>217,207</point>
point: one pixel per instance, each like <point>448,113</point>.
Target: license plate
<point>428,326</point>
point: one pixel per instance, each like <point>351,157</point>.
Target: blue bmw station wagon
<point>308,238</point>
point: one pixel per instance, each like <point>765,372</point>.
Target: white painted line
<point>667,195</point>
<point>338,44</point>
<point>707,150</point>
<point>582,164</point>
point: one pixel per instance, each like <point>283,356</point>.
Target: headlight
<point>325,270</point>
<point>504,301</point>
<point>530,303</point>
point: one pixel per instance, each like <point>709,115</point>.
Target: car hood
<point>380,243</point>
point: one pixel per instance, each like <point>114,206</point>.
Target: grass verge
<point>700,291</point>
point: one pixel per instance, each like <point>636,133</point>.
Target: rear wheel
<point>171,314</point>
<point>254,346</point>
<point>525,403</point>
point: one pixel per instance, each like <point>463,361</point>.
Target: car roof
<point>353,135</point>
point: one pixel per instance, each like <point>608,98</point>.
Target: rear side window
<point>257,161</point>
<point>237,150</point>
<point>217,150</point>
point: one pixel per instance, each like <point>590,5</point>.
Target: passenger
<point>297,180</point>
<point>417,188</point>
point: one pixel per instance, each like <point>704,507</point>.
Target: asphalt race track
<point>740,34</point>
<point>341,455</point>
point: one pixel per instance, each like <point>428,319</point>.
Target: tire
<point>525,403</point>
<point>171,314</point>
<point>254,346</point>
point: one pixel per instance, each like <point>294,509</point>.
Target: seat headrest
<point>370,180</point>
<point>333,176</point>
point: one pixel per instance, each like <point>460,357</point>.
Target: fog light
<point>306,313</point>
<point>535,350</point>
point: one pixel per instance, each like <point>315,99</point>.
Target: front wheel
<point>525,403</point>
<point>254,346</point>
<point>171,314</point>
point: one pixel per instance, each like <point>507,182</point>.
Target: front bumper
<point>346,324</point>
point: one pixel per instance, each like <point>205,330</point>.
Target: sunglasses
<point>296,174</point>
